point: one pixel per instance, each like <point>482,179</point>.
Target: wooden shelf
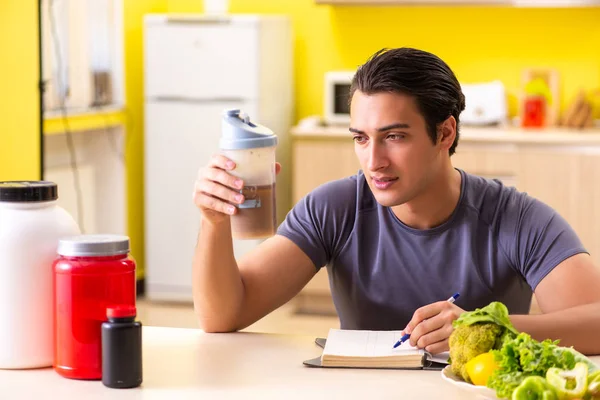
<point>509,3</point>
<point>554,135</point>
<point>417,2</point>
<point>84,120</point>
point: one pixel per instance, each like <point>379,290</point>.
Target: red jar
<point>91,274</point>
<point>534,115</point>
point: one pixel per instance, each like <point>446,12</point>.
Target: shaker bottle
<point>252,147</point>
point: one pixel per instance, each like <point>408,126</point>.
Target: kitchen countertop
<point>190,364</point>
<point>567,136</point>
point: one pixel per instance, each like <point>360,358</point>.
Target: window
<point>82,54</point>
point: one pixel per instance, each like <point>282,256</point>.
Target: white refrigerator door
<point>180,137</point>
<point>201,60</point>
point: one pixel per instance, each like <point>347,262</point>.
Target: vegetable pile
<point>485,349</point>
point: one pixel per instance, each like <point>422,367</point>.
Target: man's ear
<point>447,132</point>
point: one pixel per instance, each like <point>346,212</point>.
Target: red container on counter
<point>534,113</point>
<point>91,274</point>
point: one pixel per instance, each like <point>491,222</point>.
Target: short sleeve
<point>322,221</point>
<point>541,239</point>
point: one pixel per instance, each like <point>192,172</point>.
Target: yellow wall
<point>479,43</point>
<point>19,95</point>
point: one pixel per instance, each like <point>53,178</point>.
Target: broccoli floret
<point>469,341</point>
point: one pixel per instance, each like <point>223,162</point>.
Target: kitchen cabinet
<point>319,161</point>
<point>567,180</point>
<point>559,167</point>
<point>498,161</point>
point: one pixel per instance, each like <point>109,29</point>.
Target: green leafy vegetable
<point>523,363</point>
<point>581,358</point>
<point>505,384</point>
<point>494,312</point>
<point>523,356</point>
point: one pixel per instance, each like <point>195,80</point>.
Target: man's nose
<point>377,157</point>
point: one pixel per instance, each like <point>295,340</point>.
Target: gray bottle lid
<point>239,133</point>
<point>93,245</point>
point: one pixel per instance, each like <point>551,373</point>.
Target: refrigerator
<point>195,67</point>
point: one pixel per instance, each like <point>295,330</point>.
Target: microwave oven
<point>336,107</point>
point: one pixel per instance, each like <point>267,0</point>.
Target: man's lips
<point>383,182</point>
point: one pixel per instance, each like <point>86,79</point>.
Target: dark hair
<point>416,73</point>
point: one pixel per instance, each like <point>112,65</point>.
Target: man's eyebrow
<point>383,128</point>
<point>393,126</point>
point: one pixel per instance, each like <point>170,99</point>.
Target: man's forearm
<point>218,288</point>
<point>578,327</point>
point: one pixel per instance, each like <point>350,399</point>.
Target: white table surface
<point>190,364</point>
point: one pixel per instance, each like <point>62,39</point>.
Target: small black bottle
<point>121,348</point>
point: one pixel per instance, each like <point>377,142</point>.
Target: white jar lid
<point>93,245</point>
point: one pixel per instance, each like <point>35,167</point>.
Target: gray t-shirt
<point>497,245</point>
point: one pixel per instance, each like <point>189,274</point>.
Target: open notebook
<point>374,349</point>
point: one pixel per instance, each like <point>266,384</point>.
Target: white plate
<point>481,392</point>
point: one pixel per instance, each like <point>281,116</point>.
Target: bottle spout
<point>244,117</point>
<point>237,113</point>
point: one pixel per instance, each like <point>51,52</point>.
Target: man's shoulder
<point>495,202</point>
<point>491,198</point>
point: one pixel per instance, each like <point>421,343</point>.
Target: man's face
<point>393,147</point>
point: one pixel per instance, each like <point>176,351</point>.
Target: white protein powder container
<point>31,224</point>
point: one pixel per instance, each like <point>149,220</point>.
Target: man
<point>405,233</point>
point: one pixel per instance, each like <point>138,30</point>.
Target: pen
<point>407,336</point>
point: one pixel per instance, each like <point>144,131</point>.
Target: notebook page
<point>441,357</point>
<point>352,343</point>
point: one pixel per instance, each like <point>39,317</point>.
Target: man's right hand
<point>231,294</point>
<point>216,191</point>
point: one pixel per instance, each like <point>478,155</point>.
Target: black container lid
<point>28,191</point>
